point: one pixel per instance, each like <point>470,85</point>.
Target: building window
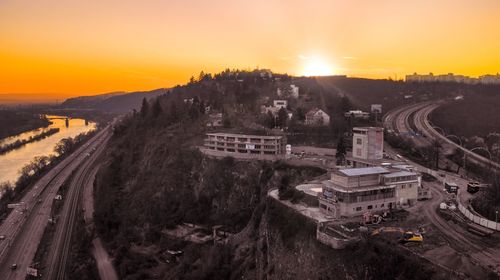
<point>370,206</point>
<point>359,141</point>
<point>382,205</point>
<point>358,152</point>
<point>358,208</point>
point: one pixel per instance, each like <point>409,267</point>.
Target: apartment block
<point>245,146</point>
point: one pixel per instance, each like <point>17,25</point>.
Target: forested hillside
<point>113,102</point>
<point>158,198</point>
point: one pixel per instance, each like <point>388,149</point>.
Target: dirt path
<point>104,264</point>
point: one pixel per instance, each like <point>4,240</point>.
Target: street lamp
<point>484,149</point>
<point>442,130</point>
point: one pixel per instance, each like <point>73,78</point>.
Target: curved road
<point>480,251</point>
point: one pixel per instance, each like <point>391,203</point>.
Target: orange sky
<point>75,47</point>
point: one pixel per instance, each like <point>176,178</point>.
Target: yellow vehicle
<point>410,236</point>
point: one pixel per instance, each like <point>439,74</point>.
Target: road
<point>483,253</point>
<point>61,244</point>
<point>24,231</point>
<point>422,122</point>
<point>104,264</point>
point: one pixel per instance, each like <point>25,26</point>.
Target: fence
<point>477,219</point>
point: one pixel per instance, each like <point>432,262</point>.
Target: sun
<point>316,66</point>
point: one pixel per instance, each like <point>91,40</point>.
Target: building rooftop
<point>400,174</point>
<point>364,128</point>
<point>363,171</point>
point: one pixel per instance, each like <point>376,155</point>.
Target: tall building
<point>368,143</point>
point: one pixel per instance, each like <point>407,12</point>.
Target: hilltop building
<point>278,104</point>
<point>245,146</point>
<point>317,117</point>
<point>215,120</point>
<point>353,191</point>
<point>450,77</point>
<point>358,114</point>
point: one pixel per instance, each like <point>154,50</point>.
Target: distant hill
<point>116,102</point>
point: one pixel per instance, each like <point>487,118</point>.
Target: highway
<point>482,252</point>
<point>61,243</point>
<point>24,231</point>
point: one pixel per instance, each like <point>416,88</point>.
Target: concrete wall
<point>313,150</point>
<point>408,194</point>
<point>477,219</point>
<point>241,156</point>
<point>333,242</point>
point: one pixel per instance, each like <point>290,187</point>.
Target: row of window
<point>243,151</point>
<point>369,207</point>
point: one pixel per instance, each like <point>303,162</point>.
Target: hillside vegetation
<point>154,185</point>
<point>119,102</point>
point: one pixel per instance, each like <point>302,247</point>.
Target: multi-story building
<point>368,143</point>
<point>317,117</point>
<point>355,191</point>
<point>450,77</point>
<point>245,146</point>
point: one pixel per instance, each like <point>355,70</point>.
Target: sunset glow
<point>65,48</point>
<point>317,66</point>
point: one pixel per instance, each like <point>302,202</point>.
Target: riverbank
<point>15,122</point>
<point>19,143</point>
<point>12,162</point>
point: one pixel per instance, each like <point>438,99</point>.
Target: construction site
<point>421,213</point>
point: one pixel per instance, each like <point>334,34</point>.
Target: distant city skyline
<point>62,49</point>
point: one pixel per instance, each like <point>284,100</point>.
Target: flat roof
<point>368,128</point>
<point>363,171</point>
<point>400,174</point>
<point>245,135</point>
<point>332,185</point>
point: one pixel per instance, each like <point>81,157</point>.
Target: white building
<point>317,117</point>
<point>368,143</point>
<point>357,114</point>
<point>280,104</point>
<point>355,191</point>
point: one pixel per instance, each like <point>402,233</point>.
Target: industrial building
<point>245,146</point>
<point>354,191</point>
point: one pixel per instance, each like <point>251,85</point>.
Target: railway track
<point>24,231</point>
<point>479,251</point>
<point>61,245</point>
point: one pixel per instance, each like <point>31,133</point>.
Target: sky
<point>66,48</point>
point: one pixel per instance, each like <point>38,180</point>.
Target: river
<point>12,162</point>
